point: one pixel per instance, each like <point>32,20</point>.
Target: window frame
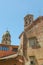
<point>34,43</point>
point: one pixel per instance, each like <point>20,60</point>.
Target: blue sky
<point>12,14</point>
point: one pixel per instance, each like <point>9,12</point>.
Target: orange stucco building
<point>9,53</point>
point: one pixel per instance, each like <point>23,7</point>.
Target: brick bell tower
<point>28,19</point>
<point>6,38</point>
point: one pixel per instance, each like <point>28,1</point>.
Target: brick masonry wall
<point>36,31</point>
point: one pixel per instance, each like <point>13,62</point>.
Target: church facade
<point>30,49</point>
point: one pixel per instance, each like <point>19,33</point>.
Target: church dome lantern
<point>6,38</point>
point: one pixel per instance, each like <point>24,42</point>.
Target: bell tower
<point>28,19</point>
<point>6,38</point>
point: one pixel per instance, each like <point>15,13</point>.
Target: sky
<point>12,13</point>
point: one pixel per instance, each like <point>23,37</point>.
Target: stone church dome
<point>6,38</point>
<point>7,33</point>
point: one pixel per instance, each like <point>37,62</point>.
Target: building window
<point>15,49</point>
<point>0,48</point>
<point>32,60</point>
<point>4,48</point>
<point>32,42</point>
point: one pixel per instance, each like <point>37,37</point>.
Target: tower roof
<point>7,33</point>
<point>6,38</point>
